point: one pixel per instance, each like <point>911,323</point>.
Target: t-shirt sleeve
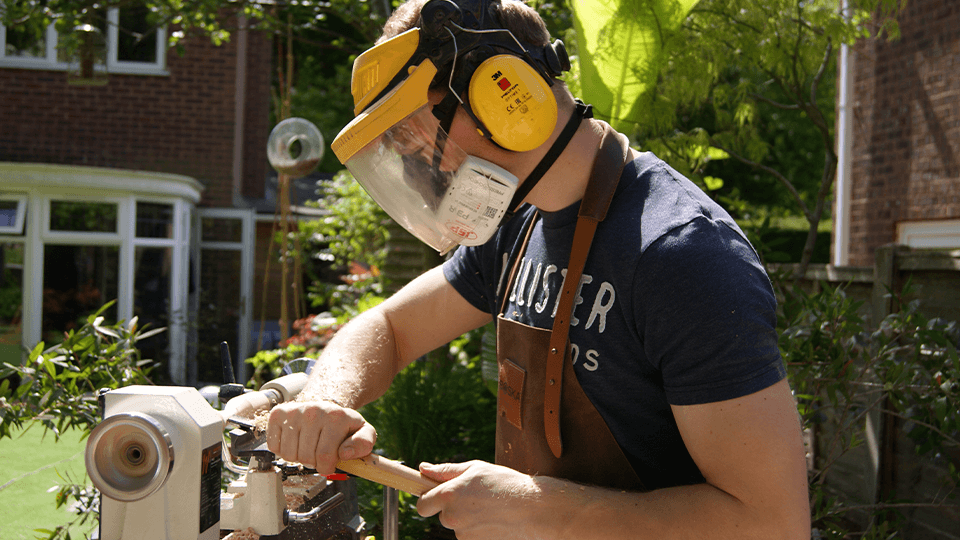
<point>706,314</point>
<point>465,272</point>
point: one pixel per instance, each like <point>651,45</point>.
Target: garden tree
<point>204,17</point>
<point>723,74</point>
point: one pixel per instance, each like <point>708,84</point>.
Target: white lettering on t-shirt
<point>551,268</point>
<point>563,275</point>
<point>536,288</point>
<point>577,300</point>
<point>522,283</point>
<point>600,308</point>
<point>592,361</point>
<point>533,284</point>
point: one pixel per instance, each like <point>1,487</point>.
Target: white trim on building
<point>39,186</point>
<point>942,233</point>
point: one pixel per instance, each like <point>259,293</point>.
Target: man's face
<point>463,132</point>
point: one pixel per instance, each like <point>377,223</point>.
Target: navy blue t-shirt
<point>674,308</point>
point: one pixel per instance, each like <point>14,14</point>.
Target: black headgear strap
<point>582,111</point>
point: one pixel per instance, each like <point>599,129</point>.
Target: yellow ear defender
<point>513,101</point>
<point>506,84</point>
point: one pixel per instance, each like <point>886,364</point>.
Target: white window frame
<point>246,247</point>
<point>92,238</point>
<point>932,234</point>
<point>114,65</point>
<point>17,227</point>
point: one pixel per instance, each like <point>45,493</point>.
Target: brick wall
<point>257,114</point>
<point>182,123</point>
<point>906,134</point>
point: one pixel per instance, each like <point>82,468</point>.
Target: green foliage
<point>355,229</point>
<point>355,238</point>
<point>620,50</point>
<point>438,410</point>
<point>57,388</point>
<point>11,296</point>
<point>841,372</point>
<point>755,78</point>
<point>58,385</point>
<point>268,364</point>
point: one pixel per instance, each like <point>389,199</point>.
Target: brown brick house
<point>137,190</point>
<point>899,138</point>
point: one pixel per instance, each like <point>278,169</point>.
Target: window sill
<point>121,69</point>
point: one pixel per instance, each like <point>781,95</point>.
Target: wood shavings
<point>293,501</point>
<point>246,534</point>
<point>260,419</point>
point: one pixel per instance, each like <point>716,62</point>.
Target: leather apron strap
<point>604,178</point>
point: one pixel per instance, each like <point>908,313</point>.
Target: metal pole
<point>391,513</point>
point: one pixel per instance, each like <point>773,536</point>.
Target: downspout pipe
<point>240,101</point>
<point>841,210</point>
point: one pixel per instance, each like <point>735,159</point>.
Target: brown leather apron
<point>546,425</point>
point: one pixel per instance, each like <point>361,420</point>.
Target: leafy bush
<point>354,236</point>
<point>438,410</point>
<point>58,389</point>
<point>10,298</point>
<point>841,372</point>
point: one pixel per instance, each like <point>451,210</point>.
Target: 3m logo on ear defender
<point>503,82</point>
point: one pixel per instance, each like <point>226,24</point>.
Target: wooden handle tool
<point>389,473</point>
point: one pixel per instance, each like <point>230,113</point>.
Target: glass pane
<point>221,230</point>
<point>8,213</point>
<point>219,314</point>
<point>83,216</point>
<point>77,280</point>
<point>151,299</point>
<point>154,220</point>
<point>11,302</point>
<point>137,41</point>
<point>27,40</point>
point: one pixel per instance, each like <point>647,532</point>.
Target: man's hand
<point>318,434</point>
<point>479,500</point>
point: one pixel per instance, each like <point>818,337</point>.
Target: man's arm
<point>749,449</point>
<point>357,367</point>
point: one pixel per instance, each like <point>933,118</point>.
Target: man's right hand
<point>318,434</point>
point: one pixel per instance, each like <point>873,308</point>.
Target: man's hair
<point>520,19</point>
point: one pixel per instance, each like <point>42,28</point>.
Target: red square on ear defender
<point>503,83</point>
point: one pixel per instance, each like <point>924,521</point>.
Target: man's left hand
<point>479,500</point>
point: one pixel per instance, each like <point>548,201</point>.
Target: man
<point>642,394</point>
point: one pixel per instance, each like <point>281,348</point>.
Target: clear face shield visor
<point>430,186</point>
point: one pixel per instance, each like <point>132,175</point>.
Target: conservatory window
<point>134,44</point>
<point>154,220</point>
<point>13,211</point>
<point>77,281</point>
<point>79,216</point>
<point>11,302</point>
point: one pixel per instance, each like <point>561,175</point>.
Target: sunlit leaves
<point>58,385</point>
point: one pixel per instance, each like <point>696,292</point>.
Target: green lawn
<point>29,466</point>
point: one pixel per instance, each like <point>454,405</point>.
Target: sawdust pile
<point>260,419</point>
<point>246,534</point>
<point>294,503</point>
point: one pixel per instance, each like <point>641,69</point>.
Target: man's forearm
<point>358,364</point>
<point>701,511</point>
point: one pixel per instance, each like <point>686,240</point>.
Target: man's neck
<point>566,180</point>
